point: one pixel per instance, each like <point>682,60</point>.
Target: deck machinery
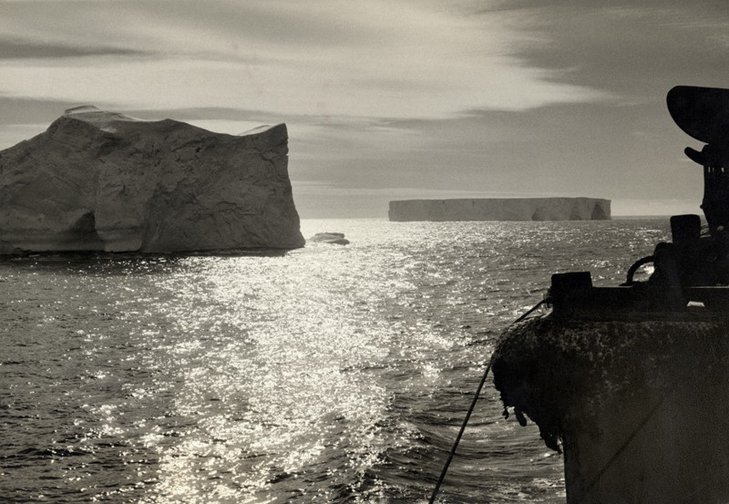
<point>691,273</point>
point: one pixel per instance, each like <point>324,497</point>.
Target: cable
<point>525,315</point>
<point>460,434</point>
<point>443,473</point>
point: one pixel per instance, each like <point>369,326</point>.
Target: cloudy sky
<point>392,99</point>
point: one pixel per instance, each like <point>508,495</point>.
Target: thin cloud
<point>633,52</point>
<point>368,59</point>
<point>20,49</point>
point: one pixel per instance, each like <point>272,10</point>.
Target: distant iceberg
<point>500,209</point>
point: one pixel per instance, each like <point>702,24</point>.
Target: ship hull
<point>640,407</point>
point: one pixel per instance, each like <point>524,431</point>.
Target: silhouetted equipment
<point>691,270</point>
<point>703,113</point>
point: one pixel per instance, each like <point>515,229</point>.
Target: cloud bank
<point>322,57</point>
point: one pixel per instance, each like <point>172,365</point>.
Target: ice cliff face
<point>103,181</point>
<point>500,209</point>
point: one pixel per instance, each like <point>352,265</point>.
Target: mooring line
<point>447,464</point>
<point>531,310</point>
<point>460,434</point>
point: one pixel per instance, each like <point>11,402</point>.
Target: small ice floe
<point>334,238</point>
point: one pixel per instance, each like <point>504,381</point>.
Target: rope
<point>447,464</point>
<point>458,437</point>
<point>525,315</point>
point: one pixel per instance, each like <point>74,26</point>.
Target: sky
<point>392,99</point>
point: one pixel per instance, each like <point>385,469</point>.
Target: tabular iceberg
<point>102,181</point>
<point>500,209</point>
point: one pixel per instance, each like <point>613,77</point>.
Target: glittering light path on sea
<point>293,340</point>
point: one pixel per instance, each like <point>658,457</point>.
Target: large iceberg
<point>500,209</point>
<point>102,181</point>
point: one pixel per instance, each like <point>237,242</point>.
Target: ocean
<point>325,374</point>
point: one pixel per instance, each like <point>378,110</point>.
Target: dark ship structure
<point>632,382</point>
<point>695,265</point>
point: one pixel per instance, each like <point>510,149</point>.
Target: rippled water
<point>327,374</point>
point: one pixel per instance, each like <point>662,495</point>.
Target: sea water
<point>326,374</point>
